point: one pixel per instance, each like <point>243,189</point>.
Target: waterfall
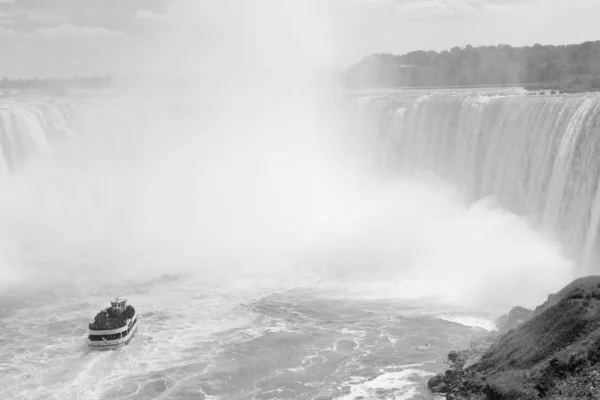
<point>534,155</point>
<point>538,156</point>
<point>38,130</point>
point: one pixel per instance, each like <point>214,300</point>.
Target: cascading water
<point>37,130</point>
<point>268,254</point>
<point>535,155</point>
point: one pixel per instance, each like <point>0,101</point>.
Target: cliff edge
<point>552,352</point>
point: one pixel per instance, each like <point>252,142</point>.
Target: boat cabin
<point>119,305</point>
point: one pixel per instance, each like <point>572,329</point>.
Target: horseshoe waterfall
<point>534,155</point>
<point>288,246</point>
<point>538,156</point>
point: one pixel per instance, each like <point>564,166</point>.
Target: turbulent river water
<point>288,263</point>
<point>246,339</point>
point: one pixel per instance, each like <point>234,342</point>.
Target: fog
<point>256,167</point>
<point>237,45</point>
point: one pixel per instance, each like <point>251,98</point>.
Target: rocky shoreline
<point>552,352</point>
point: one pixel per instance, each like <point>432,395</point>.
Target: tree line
<point>566,68</point>
<point>58,84</point>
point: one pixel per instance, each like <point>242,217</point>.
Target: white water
<point>309,258</point>
<point>268,253</point>
<point>132,185</point>
<point>534,155</point>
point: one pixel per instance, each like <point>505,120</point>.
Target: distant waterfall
<point>538,156</point>
<point>36,129</point>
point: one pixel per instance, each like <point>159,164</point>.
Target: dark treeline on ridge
<point>568,67</point>
<point>58,84</point>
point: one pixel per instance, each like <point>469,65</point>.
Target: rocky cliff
<point>555,354</point>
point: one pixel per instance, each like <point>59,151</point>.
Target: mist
<point>236,46</point>
<point>258,166</point>
<point>287,195</point>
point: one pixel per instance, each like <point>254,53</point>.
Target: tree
<point>551,66</point>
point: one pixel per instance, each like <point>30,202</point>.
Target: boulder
<point>437,384</point>
<point>515,318</point>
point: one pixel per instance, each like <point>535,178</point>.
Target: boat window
<point>101,338</point>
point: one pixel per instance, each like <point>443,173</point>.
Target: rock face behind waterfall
<point>553,355</point>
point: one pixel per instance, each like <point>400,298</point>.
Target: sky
<point>44,38</point>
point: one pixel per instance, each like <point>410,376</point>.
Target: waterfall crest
<point>535,155</point>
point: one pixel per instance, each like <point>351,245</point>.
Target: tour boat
<point>113,327</point>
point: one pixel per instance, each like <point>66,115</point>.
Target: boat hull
<point>104,344</point>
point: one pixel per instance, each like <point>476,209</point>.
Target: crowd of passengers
<point>100,338</point>
<point>110,319</point>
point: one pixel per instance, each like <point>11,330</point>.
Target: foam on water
<point>242,340</point>
<point>55,362</point>
<point>395,386</point>
<point>474,322</point>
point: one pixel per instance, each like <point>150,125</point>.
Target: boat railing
<point>113,331</point>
